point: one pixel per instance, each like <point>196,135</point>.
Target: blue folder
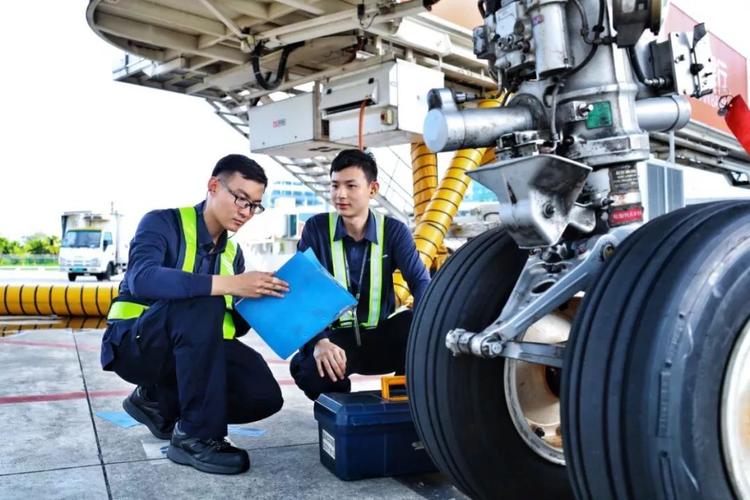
<point>314,301</point>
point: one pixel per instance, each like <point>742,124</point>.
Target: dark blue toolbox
<point>363,435</point>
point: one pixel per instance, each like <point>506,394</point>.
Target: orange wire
<point>361,138</point>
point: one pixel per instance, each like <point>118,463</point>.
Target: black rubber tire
<point>72,276</point>
<point>458,403</point>
<point>641,392</point>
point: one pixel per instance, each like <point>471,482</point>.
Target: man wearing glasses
<point>173,329</point>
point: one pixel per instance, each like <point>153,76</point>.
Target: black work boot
<point>215,456</point>
<point>147,412</point>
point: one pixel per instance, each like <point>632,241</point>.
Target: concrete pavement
<point>44,276</point>
<point>59,442</point>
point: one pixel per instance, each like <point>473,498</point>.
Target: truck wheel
<point>72,276</point>
<point>656,390</point>
<point>474,422</point>
<point>106,274</point>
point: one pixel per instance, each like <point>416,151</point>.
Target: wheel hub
<point>532,392</point>
<point>735,415</point>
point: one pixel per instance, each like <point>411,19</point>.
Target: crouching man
<point>173,329</point>
<point>361,249</point>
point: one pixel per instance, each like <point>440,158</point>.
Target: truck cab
<point>90,246</point>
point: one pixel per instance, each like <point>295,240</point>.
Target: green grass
<point>28,260</point>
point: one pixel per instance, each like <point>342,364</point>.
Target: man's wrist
<point>221,285</point>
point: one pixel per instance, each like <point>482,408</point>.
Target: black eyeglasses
<point>242,202</point>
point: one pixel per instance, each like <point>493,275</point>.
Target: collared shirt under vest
<point>173,256</point>
<point>387,245</point>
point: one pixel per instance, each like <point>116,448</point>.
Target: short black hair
<point>249,169</point>
<point>356,158</point>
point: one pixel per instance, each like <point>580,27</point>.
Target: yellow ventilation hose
<point>61,300</point>
<point>425,176</point>
<point>438,216</point>
<point>425,180</point>
<point>489,156</point>
<point>13,325</point>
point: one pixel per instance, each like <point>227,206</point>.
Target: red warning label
<point>626,215</point>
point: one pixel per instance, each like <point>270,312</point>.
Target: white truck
<point>92,245</point>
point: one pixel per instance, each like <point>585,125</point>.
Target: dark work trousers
<point>383,350</point>
<point>176,350</point>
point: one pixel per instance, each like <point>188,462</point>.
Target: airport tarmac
<point>67,436</point>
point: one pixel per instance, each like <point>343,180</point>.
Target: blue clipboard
<point>314,301</point>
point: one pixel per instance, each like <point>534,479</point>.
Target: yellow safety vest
<point>376,270</point>
<point>123,309</point>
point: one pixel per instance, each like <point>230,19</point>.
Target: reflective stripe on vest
<point>188,218</point>
<point>125,310</point>
<point>226,268</point>
<point>376,270</point>
<point>226,263</point>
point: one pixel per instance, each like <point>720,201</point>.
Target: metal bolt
<point>548,210</point>
<point>608,251</point>
<point>584,109</point>
<point>539,432</point>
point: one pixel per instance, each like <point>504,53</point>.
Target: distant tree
<point>42,244</point>
<point>9,247</point>
<point>54,244</point>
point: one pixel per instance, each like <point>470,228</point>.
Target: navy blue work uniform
<point>175,349</point>
<point>383,348</point>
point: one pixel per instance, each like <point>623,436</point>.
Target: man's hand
<point>330,359</point>
<point>253,284</point>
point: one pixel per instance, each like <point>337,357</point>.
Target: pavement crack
<point>53,469</point>
<point>281,446</point>
<point>93,422</point>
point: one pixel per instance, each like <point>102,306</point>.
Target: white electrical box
<point>291,128</point>
<point>308,125</point>
<point>395,97</point>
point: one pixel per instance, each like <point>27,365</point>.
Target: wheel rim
<point>735,415</point>
<point>533,403</point>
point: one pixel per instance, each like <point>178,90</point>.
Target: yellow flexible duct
<point>425,180</point>
<point>15,325</point>
<point>425,177</point>
<point>61,300</point>
<point>438,216</point>
<point>489,156</point>
<point>403,296</point>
